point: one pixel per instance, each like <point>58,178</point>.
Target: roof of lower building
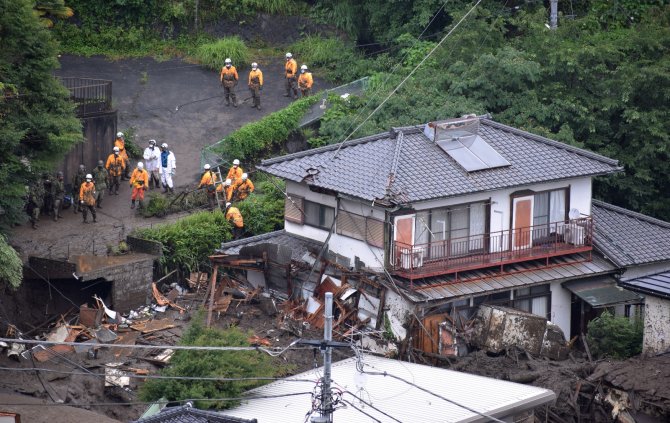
<point>629,238</point>
<point>188,414</point>
<point>298,245</point>
<point>657,285</point>
<point>405,166</point>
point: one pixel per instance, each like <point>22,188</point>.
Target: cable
<point>370,405</point>
<point>50,285</point>
<point>361,411</point>
<point>407,77</point>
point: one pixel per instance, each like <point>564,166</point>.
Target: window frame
<point>321,217</point>
<point>533,293</point>
<point>367,236</point>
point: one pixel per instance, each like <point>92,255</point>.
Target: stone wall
<point>656,325</point>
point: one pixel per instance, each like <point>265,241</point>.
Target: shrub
<point>11,271</point>
<point>213,54</point>
<point>614,336</point>
<point>338,61</point>
<point>188,241</point>
<point>224,364</point>
<point>160,206</point>
<point>263,211</point>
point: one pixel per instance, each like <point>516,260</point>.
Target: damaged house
<point>432,221</point>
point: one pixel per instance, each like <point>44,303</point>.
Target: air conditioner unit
<point>411,258</point>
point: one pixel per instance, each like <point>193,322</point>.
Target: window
<point>549,211</point>
<point>534,300</point>
<point>451,231</point>
<point>360,227</point>
<point>293,208</point>
<point>318,215</point>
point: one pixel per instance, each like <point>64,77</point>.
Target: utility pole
<point>326,345</point>
<point>553,14</point>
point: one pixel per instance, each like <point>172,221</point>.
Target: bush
<point>160,206</point>
<point>263,211</point>
<point>224,364</point>
<point>614,336</point>
<point>189,241</point>
<point>212,55</point>
<point>11,271</point>
<point>336,60</point>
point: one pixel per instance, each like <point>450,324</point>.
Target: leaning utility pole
<point>553,14</point>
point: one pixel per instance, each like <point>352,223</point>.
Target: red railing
<point>493,249</point>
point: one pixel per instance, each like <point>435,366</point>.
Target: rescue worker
<point>167,168</point>
<point>58,189</point>
<point>243,187</point>
<point>152,156</point>
<point>115,166</point>
<point>208,181</point>
<point>305,81</point>
<point>100,178</point>
<point>235,172</point>
<point>87,196</point>
<point>228,189</point>
<point>234,216</point>
<point>291,73</point>
<point>229,78</point>
<point>255,85</point>
<point>47,202</point>
<point>35,202</point>
<point>139,181</point>
<point>120,142</point>
<point>77,180</point>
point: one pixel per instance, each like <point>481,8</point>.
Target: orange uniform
<point>115,164</point>
<point>119,142</point>
<point>139,180</point>
<point>234,216</point>
<point>228,75</point>
<point>243,188</point>
<point>291,68</point>
<point>235,173</point>
<point>305,81</point>
<point>87,193</point>
<point>208,180</point>
<point>255,78</point>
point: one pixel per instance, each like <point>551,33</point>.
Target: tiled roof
<point>629,238</point>
<point>657,285</point>
<point>298,245</point>
<point>361,168</point>
<point>188,414</point>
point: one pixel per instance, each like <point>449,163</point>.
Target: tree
<point>37,122</point>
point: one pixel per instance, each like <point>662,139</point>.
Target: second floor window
<point>318,215</point>
<point>549,213</point>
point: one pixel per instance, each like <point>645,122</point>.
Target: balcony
<point>491,250</point>
<point>91,96</point>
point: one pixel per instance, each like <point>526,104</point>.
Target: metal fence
<point>90,95</point>
<point>357,87</point>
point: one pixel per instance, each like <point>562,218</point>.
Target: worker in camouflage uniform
<point>100,177</point>
<point>58,191</point>
<point>47,204</point>
<point>77,180</point>
<point>35,202</point>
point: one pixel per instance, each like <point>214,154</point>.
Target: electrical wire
<point>407,77</point>
<point>371,406</point>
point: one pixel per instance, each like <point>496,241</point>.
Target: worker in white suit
<point>167,168</point>
<point>152,155</point>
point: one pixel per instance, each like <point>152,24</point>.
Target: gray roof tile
<point>629,238</point>
<point>299,245</point>
<point>657,285</point>
<point>361,167</point>
<point>188,414</point>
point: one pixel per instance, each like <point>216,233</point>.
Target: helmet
<point>152,142</point>
<point>82,167</point>
<point>303,67</point>
<point>254,65</point>
<point>228,182</point>
<point>289,55</point>
<point>228,61</point>
<point>164,145</point>
<point>236,162</point>
<point>89,177</point>
<point>207,166</point>
<point>59,174</point>
<point>101,163</point>
<point>228,205</point>
<point>244,176</point>
<point>116,150</point>
<point>119,135</point>
<point>140,165</point>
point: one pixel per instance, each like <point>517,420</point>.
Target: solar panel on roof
<point>472,153</point>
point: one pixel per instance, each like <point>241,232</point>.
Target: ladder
<point>219,181</point>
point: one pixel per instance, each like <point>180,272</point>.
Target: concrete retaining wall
<point>656,325</point>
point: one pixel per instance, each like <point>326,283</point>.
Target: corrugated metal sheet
<point>517,276</point>
<point>657,285</point>
<point>601,292</point>
<point>394,397</point>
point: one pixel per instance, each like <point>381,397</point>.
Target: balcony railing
<point>494,249</point>
<point>90,95</point>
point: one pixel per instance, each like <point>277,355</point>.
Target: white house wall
<point>656,325</point>
<point>560,307</point>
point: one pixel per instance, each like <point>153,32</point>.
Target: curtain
<point>477,226</point>
<point>539,306</point>
<point>557,210</point>
<point>421,230</point>
<point>439,224</point>
<point>459,231</point>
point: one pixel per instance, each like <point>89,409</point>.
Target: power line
<point>407,77</point>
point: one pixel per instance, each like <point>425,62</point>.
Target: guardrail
<point>90,95</point>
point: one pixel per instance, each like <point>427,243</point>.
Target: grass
<point>327,56</point>
<point>212,55</point>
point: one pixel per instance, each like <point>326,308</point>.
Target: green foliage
<point>283,7</point>
<point>132,149</point>
<point>333,58</point>
<point>159,205</point>
<point>224,364</point>
<point>37,121</point>
<point>188,241</point>
<point>615,337</point>
<point>257,140</point>
<point>263,210</point>
<point>213,54</point>
<point>11,271</point>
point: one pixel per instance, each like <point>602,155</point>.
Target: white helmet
<point>303,67</point>
<point>228,182</point>
<point>119,135</point>
<point>254,65</point>
<point>116,149</point>
<point>140,165</point>
<point>207,166</point>
<point>89,177</point>
<point>152,142</point>
<point>236,162</point>
<point>228,61</point>
<point>228,205</point>
<point>289,55</point>
<point>164,145</point>
<point>244,176</point>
